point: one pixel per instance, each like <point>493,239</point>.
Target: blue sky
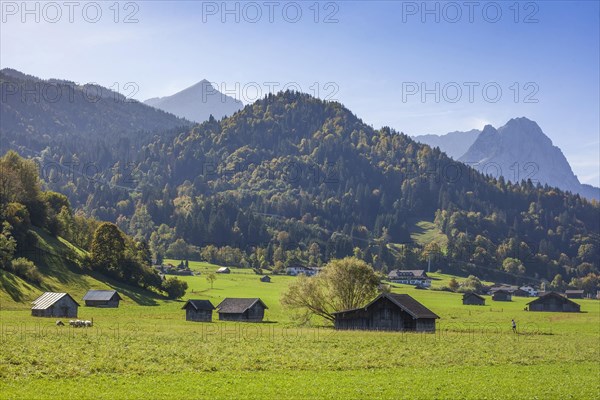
<point>374,57</point>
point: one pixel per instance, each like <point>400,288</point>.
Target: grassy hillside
<point>424,232</point>
<point>60,264</point>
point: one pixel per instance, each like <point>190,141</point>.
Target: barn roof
<point>550,295</point>
<point>416,273</point>
<point>199,305</point>
<point>574,292</point>
<point>468,294</point>
<point>48,299</point>
<point>101,295</point>
<point>223,269</point>
<point>405,302</point>
<point>237,306</point>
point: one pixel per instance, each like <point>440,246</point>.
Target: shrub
<point>27,270</point>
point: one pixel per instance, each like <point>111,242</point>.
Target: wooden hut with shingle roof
<point>388,312</point>
<point>247,310</point>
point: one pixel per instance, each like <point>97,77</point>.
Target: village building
<point>198,310</point>
<point>473,299</point>
<point>501,295</point>
<point>223,270</point>
<point>51,304</point>
<point>518,292</point>
<point>388,312</point>
<point>553,302</point>
<point>410,277</point>
<point>574,294</point>
<point>265,279</point>
<point>239,309</point>
<point>301,270</point>
<point>102,298</point>
<point>530,290</point>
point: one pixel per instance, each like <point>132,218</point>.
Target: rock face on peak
<point>454,144</point>
<point>197,103</point>
<point>520,150</point>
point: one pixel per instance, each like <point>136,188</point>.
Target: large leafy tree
<point>342,285</point>
<point>108,249</point>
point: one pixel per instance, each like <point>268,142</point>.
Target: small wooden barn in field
<point>223,270</point>
<point>473,299</point>
<point>501,295</point>
<point>198,310</point>
<point>388,312</point>
<point>102,298</point>
<point>574,294</point>
<point>247,310</point>
<point>51,304</point>
<point>265,279</point>
<point>553,302</point>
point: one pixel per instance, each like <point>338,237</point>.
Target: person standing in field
<point>514,326</point>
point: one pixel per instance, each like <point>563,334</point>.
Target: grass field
<point>145,349</point>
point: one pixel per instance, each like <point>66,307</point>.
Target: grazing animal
<point>72,322</point>
<point>60,323</point>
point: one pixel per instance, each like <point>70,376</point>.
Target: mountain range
<point>197,103</point>
<point>292,179</point>
<point>518,150</point>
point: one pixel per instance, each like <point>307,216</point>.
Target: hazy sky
<point>418,68</point>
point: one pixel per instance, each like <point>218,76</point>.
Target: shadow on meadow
<point>9,284</point>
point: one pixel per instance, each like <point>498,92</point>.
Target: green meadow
<point>146,350</point>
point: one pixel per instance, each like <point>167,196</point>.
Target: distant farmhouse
<point>102,298</point>
<point>247,310</point>
<point>301,270</point>
<point>473,299</point>
<point>52,304</point>
<point>513,290</point>
<point>574,294</point>
<point>530,290</point>
<point>410,277</point>
<point>223,270</point>
<point>198,310</point>
<point>553,302</point>
<point>388,312</point>
<point>501,295</point>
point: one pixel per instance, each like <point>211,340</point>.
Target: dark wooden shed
<point>265,278</point>
<point>501,295</point>
<point>574,294</point>
<point>102,298</point>
<point>553,302</point>
<point>198,310</point>
<point>473,299</point>
<point>388,312</point>
<point>51,304</point>
<point>247,310</point>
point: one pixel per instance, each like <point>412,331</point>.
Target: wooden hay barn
<point>247,310</point>
<point>51,304</point>
<point>574,294</point>
<point>102,298</point>
<point>266,279</point>
<point>501,295</point>
<point>473,299</point>
<point>388,312</point>
<point>553,302</point>
<point>198,310</point>
<point>223,270</point>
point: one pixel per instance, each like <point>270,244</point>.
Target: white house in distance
<point>410,277</point>
<point>301,270</point>
<point>529,289</point>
